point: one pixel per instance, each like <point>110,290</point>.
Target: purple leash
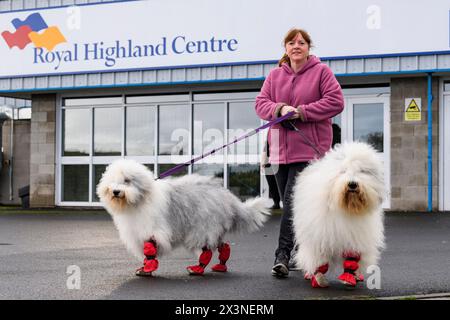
<point>308,142</point>
<point>255,131</point>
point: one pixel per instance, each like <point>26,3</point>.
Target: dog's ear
<point>102,190</point>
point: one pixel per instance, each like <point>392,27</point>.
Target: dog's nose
<point>116,193</point>
<point>352,185</point>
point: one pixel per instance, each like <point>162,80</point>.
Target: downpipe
<point>430,143</point>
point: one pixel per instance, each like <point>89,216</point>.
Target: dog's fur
<point>191,211</point>
<point>329,219</point>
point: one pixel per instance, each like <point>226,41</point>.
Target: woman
<point>307,87</point>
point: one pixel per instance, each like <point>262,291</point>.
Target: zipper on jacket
<point>292,90</point>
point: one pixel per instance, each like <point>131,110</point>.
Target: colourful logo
<point>27,31</point>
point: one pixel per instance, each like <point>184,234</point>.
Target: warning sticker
<point>413,108</point>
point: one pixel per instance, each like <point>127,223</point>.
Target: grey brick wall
<point>409,146</point>
<point>42,152</point>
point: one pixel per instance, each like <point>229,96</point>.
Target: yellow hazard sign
<point>413,108</point>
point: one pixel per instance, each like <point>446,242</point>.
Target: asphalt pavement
<point>79,256</point>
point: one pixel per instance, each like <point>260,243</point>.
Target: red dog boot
<point>204,259</point>
<point>318,280</point>
<point>359,276</point>
<point>150,261</point>
<point>150,265</point>
<point>350,267</point>
<point>224,255</point>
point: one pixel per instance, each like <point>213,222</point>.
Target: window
<point>214,170</point>
<point>244,180</point>
<point>447,86</point>
<point>75,183</point>
<point>140,131</point>
<point>76,132</point>
<point>368,124</point>
<point>95,101</point>
<point>209,125</point>
<point>167,166</point>
<point>98,171</point>
<point>107,131</point>
<point>158,130</point>
<point>174,130</point>
<point>242,119</point>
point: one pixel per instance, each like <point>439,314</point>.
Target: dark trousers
<point>285,178</point>
<point>273,189</point>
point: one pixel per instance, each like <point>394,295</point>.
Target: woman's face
<point>297,49</point>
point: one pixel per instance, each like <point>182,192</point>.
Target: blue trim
<point>390,73</point>
<point>387,55</point>
<point>68,5</point>
<point>430,144</point>
<point>132,85</point>
<point>227,64</point>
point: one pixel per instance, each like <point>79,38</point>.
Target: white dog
<point>154,216</point>
<point>337,214</point>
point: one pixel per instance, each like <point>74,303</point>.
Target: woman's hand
<point>286,109</point>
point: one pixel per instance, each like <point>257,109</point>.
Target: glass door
<point>367,119</point>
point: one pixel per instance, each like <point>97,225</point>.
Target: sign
<point>413,109</point>
<point>143,35</point>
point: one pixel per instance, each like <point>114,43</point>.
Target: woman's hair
<point>291,35</point>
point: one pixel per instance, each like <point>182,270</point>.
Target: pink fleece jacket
<point>315,92</point>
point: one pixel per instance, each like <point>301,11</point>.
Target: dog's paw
<point>141,273</point>
<point>219,268</point>
<point>195,270</point>
<point>359,276</point>
<point>319,281</point>
<point>348,279</point>
<point>307,276</point>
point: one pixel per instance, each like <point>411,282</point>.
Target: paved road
<point>35,251</point>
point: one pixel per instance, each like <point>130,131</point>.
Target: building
<point>162,82</point>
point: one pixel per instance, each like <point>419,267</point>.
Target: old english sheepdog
<point>155,216</point>
<point>337,214</point>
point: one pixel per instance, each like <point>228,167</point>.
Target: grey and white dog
<point>155,216</point>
